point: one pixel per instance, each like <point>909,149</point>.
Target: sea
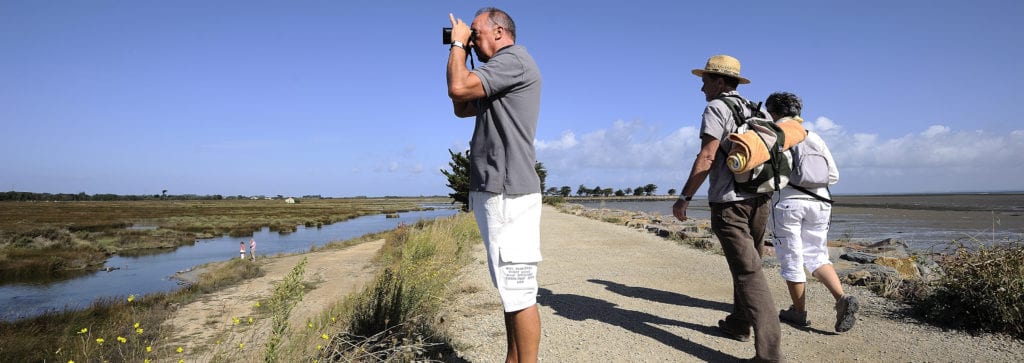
<point>925,222</point>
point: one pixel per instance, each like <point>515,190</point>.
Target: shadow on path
<point>582,308</point>
<point>661,296</point>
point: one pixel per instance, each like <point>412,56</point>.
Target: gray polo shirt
<point>502,155</point>
<point>718,123</point>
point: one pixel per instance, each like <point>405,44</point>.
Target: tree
<point>672,192</point>
<point>566,190</point>
<point>551,191</point>
<point>458,178</point>
<point>582,190</point>
<point>542,173</point>
<point>649,189</point>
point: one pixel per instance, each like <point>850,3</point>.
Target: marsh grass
<point>395,317</point>
<point>90,231</point>
<point>72,335</point>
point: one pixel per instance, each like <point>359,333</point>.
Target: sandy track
<point>206,325</point>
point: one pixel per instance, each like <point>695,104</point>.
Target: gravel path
<point>610,293</point>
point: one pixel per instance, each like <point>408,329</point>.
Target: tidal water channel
<point>155,273</point>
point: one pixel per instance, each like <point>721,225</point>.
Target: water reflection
<point>148,273</point>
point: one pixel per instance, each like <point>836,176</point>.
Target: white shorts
<point>800,227</point>
<point>510,227</point>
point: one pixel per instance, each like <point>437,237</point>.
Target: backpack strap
<point>813,194</point>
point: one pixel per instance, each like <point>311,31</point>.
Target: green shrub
<point>982,289</point>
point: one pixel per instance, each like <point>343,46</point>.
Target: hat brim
<point>700,73</point>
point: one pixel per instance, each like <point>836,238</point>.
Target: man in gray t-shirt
<point>738,219</point>
<point>504,189</point>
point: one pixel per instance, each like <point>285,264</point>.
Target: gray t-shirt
<point>718,122</point>
<point>502,155</point>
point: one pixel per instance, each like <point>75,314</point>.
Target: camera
<point>446,36</point>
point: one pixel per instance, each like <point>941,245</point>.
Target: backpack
<point>810,169</point>
<point>774,173</point>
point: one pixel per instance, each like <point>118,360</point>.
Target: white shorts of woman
<point>510,227</point>
<point>800,227</point>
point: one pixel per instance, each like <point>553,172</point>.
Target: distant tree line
<point>597,191</point>
<point>68,197</point>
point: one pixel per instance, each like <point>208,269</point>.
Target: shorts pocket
<point>518,276</point>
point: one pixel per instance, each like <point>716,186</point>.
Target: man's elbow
<point>459,94</point>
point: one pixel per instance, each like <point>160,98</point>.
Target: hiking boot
<point>794,316</point>
<point>846,307</point>
<point>732,334</point>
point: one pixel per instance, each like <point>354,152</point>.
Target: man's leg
<point>740,228</point>
<point>523,330</point>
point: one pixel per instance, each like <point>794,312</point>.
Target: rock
<point>906,267</point>
<point>889,248</point>
<point>859,257</point>
<point>865,274</point>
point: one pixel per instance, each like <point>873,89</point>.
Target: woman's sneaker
<point>794,316</point>
<point>846,308</point>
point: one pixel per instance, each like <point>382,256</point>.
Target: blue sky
<point>348,98</point>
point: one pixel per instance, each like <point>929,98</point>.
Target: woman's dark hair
<point>784,103</point>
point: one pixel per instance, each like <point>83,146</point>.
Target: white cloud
<point>937,159</point>
<point>935,130</point>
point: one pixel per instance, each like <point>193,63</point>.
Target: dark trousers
<point>740,228</point>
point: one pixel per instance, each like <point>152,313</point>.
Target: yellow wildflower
<point>181,361</point>
<point>235,320</point>
<point>146,361</point>
<point>250,320</point>
<point>131,297</point>
<point>180,349</point>
<point>324,336</point>
<point>99,341</point>
<point>149,348</point>
<point>309,325</point>
<point>241,345</point>
<point>122,340</point>
<point>83,331</point>
<point>136,326</point>
<point>257,304</point>
<point>71,361</point>
<point>319,347</point>
<point>139,330</point>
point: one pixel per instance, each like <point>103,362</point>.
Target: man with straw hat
<point>738,219</point>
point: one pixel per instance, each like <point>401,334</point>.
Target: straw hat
<point>724,65</point>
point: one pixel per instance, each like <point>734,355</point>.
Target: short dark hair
<point>500,18</point>
<point>784,103</point>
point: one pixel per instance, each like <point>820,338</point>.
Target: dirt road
<point>615,294</point>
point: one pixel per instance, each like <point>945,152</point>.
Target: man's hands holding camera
<point>459,32</point>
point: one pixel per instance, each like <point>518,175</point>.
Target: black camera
<point>446,36</point>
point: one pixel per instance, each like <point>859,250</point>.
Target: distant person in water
<point>252,249</point>
<point>241,250</point>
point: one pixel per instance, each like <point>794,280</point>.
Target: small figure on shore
<point>241,250</point>
<point>252,249</point>
<point>801,221</point>
<point>739,219</point>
